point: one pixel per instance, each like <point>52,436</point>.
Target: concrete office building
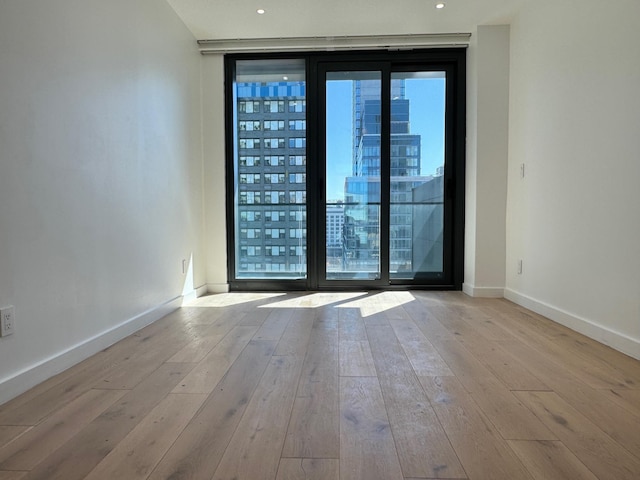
<point>271,228</point>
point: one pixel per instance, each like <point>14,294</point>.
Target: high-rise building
<point>271,168</point>
<point>362,190</point>
<point>334,229</point>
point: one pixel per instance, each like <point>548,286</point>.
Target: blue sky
<point>426,117</point>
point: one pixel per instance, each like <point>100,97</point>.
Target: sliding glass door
<point>352,186</point>
<point>342,170</point>
<point>417,167</point>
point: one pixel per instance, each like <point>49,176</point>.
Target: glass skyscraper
<point>362,189</point>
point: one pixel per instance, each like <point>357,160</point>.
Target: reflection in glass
<point>417,184</point>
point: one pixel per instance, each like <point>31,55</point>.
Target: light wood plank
<point>8,434</point>
<point>207,338</point>
<point>422,445</point>
<point>12,475</point>
<point>295,339</point>
<point>432,329</point>
<point>141,450</point>
<point>321,360</point>
<point>512,419</point>
<point>451,319</point>
<point>351,325</point>
<point>206,375</point>
<point>77,457</point>
<point>474,376</point>
<point>354,350</point>
<point>507,368</point>
<point>602,455</point>
<point>481,450</point>
<point>154,348</point>
<point>314,426</point>
<point>255,447</point>
<point>356,359</point>
<point>542,366</point>
<point>308,469</point>
<point>274,325</point>
<point>367,449</point>
<point>424,358</point>
<point>628,367</point>
<point>627,399</point>
<point>622,426</point>
<point>254,318</point>
<point>488,326</point>
<point>550,460</point>
<point>196,453</point>
<point>29,449</point>
<point>534,331</point>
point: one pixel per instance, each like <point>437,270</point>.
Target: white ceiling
<point>237,19</point>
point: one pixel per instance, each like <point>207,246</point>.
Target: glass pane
<point>417,168</point>
<point>270,169</point>
<point>353,175</point>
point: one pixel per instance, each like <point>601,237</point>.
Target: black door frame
<point>451,60</point>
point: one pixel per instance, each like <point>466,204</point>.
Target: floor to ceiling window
<point>345,170</point>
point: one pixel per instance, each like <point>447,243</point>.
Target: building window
<point>249,143</point>
<point>297,106</point>
<point>275,216</point>
<point>297,124</point>
<point>273,125</point>
<point>274,178</point>
<point>274,161</point>
<point>297,160</point>
<point>250,106</point>
<point>249,126</point>
<point>274,143</point>
<point>271,233</point>
<point>249,161</point>
<point>274,106</point>
<point>297,178</point>
<point>249,178</point>
<point>300,142</point>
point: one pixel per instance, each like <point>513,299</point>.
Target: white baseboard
<point>193,294</point>
<point>217,287</point>
<point>483,292</point>
<point>600,333</point>
<point>22,381</point>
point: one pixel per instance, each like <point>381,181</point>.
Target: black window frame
<point>451,60</point>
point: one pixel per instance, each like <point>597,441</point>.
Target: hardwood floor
<point>335,386</point>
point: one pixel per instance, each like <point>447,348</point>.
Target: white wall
<point>574,219</point>
<point>487,154</point>
<point>100,176</point>
<point>214,173</point>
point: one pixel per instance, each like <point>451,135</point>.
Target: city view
<point>271,175</point>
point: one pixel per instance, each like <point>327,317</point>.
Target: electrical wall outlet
<point>7,321</point>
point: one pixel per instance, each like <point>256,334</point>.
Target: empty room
<point>319,240</point>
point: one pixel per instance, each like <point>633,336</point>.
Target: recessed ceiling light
<point>285,78</point>
<point>261,11</point>
<point>440,6</point>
